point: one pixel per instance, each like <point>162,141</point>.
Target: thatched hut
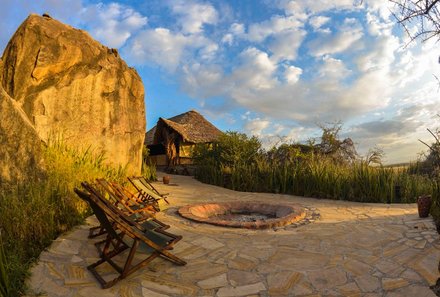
<point>170,142</point>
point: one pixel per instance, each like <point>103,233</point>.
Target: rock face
<point>20,150</point>
<point>69,85</point>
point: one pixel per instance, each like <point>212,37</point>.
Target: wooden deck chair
<point>126,203</point>
<point>141,223</point>
<point>146,191</point>
<point>152,242</point>
<point>149,185</point>
<point>138,213</point>
<point>148,222</point>
<point>107,192</point>
<point>136,200</point>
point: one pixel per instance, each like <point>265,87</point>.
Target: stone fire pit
<point>250,215</point>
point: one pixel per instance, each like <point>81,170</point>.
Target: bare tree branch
<point>419,18</point>
<point>430,6</point>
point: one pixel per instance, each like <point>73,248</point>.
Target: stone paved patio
<point>353,249</point>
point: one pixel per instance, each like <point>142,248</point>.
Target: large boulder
<point>20,149</point>
<point>70,85</point>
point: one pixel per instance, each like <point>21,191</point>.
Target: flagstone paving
<point>352,249</point>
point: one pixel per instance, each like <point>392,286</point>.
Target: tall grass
<point>148,168</point>
<point>320,179</point>
<point>5,284</point>
<point>305,174</point>
<point>36,212</point>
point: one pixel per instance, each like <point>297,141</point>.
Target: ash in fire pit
<point>251,215</point>
<point>244,216</point>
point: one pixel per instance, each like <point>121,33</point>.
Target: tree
<point>342,151</point>
<point>237,148</point>
<point>422,15</point>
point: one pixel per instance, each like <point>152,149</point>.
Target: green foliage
<point>341,151</point>
<point>237,148</point>
<point>239,163</point>
<point>215,162</point>
<point>148,168</point>
<point>36,212</point>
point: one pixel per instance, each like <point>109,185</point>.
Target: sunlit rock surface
<point>69,85</point>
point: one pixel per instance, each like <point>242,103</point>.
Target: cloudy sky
<point>271,68</point>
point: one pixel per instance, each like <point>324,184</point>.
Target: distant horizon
<point>270,69</point>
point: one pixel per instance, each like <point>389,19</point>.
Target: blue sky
<point>274,69</point>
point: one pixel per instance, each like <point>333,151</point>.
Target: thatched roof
<point>191,126</point>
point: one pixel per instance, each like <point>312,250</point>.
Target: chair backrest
<point>123,216</point>
<point>144,181</point>
<point>107,190</point>
<point>93,189</point>
<point>147,184</point>
<point>141,187</point>
<point>99,213</point>
<point>116,197</point>
<point>136,183</point>
<point>125,224</point>
<point>128,200</point>
<point>123,192</point>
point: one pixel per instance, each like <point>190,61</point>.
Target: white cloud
<point>377,26</point>
<point>228,39</point>
<point>258,32</point>
<point>202,81</point>
<point>292,74</point>
<point>333,69</point>
<point>255,71</point>
<point>306,7</point>
<point>318,21</point>
<point>381,55</point>
<point>193,15</point>
<point>256,126</point>
<point>168,49</point>
<point>383,8</point>
<point>160,46</point>
<point>349,33</point>
<point>286,44</point>
<point>113,23</point>
<point>286,32</point>
<point>236,29</point>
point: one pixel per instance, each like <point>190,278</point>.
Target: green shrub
<point>238,162</point>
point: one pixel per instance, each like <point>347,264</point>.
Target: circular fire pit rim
<point>285,213</point>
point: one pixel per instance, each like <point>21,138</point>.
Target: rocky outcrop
<point>20,150</point>
<point>68,84</point>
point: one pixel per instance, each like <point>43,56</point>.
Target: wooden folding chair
<point>147,222</point>
<point>146,191</point>
<point>135,200</point>
<point>128,204</point>
<point>136,212</point>
<point>153,242</point>
<point>149,185</point>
